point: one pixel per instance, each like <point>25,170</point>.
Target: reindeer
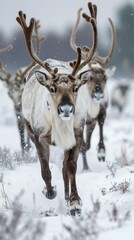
<point>15,85</point>
<point>54,112</point>
<point>97,89</point>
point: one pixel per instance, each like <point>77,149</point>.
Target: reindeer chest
<point>93,109</point>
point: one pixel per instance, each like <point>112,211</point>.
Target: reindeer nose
<point>98,88</point>
<point>66,111</point>
<point>98,94</point>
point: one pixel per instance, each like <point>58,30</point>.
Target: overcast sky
<point>55,15</point>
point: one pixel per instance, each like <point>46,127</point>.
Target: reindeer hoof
<point>51,194</point>
<point>75,212</point>
<point>75,208</point>
<point>101,154</point>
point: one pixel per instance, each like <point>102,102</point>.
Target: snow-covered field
<point>107,191</point>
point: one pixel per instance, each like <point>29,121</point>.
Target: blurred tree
<point>124,54</point>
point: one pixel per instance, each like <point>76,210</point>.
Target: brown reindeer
<point>54,112</point>
<point>15,85</point>
<point>97,89</point>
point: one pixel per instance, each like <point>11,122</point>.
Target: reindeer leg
<point>74,199</point>
<point>20,124</point>
<point>43,153</point>
<point>65,176</point>
<point>101,146</point>
<point>90,125</point>
<point>28,144</point>
<point>84,157</point>
<point>29,130</point>
<point>66,180</point>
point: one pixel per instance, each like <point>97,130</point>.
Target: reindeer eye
<point>105,78</point>
<point>76,88</point>
<point>52,89</point>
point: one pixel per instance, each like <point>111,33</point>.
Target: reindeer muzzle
<point>66,112</point>
<point>97,96</point>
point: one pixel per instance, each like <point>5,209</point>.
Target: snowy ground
<point>101,184</point>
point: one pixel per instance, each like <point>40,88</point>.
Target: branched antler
<point>3,70</point>
<point>28,31</point>
<point>93,12</point>
<point>36,35</point>
<point>8,48</point>
<point>85,50</point>
<point>76,64</point>
<point>105,60</point>
<point>89,51</point>
<point>39,41</point>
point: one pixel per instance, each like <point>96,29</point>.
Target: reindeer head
<point>96,78</point>
<point>63,90</point>
<point>62,87</point>
<point>97,73</point>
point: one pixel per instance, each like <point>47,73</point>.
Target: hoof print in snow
<point>51,194</point>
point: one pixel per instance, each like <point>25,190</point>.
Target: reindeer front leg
<point>43,153</point>
<point>90,125</point>
<point>69,170</point>
<point>66,176</point>
<point>101,146</point>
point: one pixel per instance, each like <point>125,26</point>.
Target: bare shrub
<point>9,160</point>
<point>14,225</point>
<point>123,159</point>
<point>116,216</point>
<point>112,167</point>
<point>119,162</point>
<point>90,225</point>
<point>122,187</point>
<point>84,227</point>
<point>6,160</point>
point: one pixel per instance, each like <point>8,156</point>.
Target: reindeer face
<point>96,84</point>
<point>63,91</point>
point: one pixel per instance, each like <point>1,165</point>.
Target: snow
<point>99,183</point>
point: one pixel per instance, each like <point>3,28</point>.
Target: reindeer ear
<point>110,71</point>
<point>84,76</point>
<point>42,77</point>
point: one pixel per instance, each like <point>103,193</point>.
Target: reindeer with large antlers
<point>15,85</point>
<point>96,87</point>
<point>54,112</point>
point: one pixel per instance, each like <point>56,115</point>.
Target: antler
<point>78,65</point>
<point>8,48</point>
<point>73,34</point>
<point>3,70</point>
<point>28,30</point>
<point>39,41</point>
<point>36,35</point>
<point>105,60</point>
